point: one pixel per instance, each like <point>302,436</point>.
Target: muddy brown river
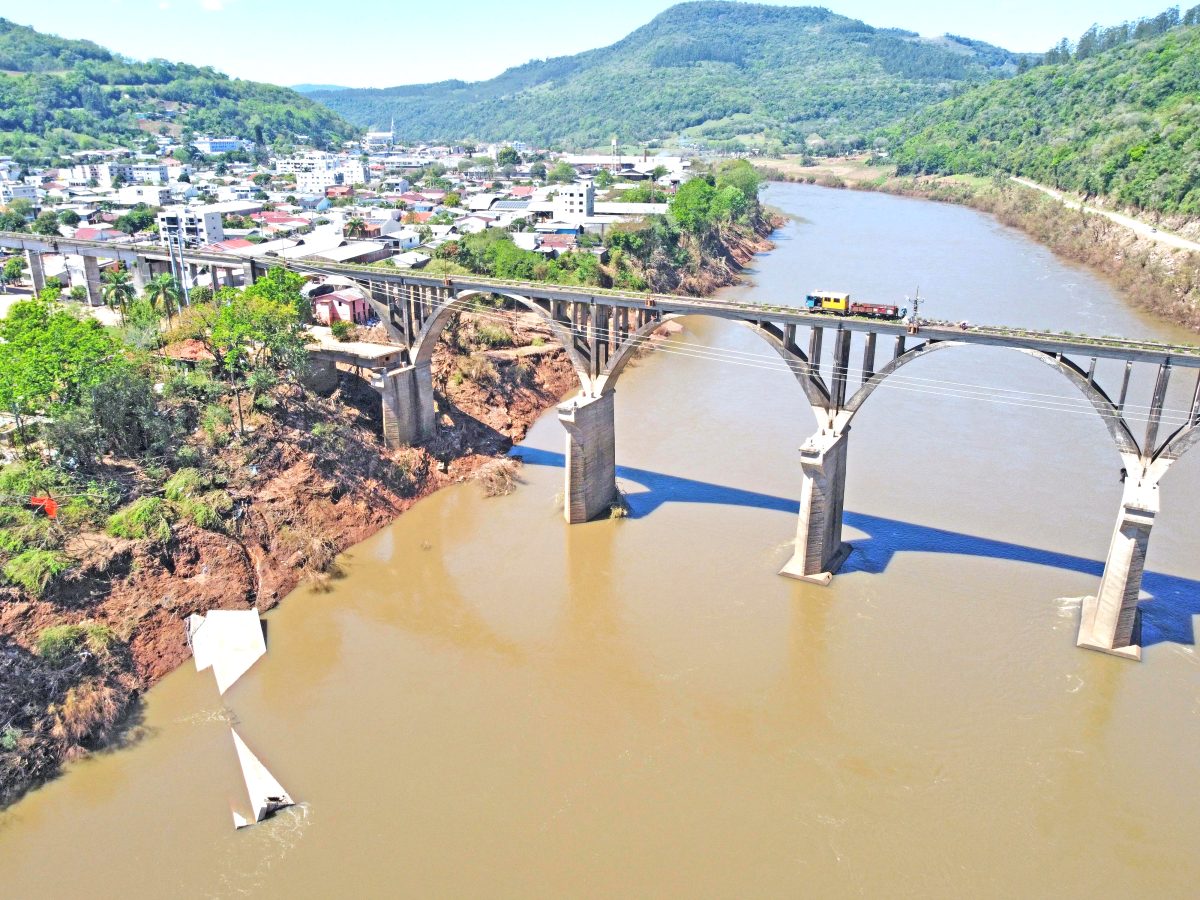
<point>492,704</point>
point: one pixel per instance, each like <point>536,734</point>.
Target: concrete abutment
<point>409,414</point>
<point>591,459</point>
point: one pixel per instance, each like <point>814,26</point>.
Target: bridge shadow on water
<point>1166,618</point>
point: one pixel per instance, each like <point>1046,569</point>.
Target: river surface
<point>492,704</point>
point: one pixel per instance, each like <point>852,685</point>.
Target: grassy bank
<point>1162,281</point>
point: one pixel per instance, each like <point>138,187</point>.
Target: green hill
<point>58,95</point>
<point>1124,123</point>
<point>711,70</point>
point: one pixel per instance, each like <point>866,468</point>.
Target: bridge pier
<point>409,416</point>
<point>820,551</point>
<point>140,271</point>
<point>37,272</point>
<point>91,278</point>
<point>1110,621</point>
<point>591,464</point>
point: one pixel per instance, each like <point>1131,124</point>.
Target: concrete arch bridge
<point>838,362</point>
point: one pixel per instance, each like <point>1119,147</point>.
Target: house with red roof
<point>99,234</point>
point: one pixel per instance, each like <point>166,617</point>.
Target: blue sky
<point>376,43</point>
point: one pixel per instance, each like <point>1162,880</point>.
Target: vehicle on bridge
<point>839,304</point>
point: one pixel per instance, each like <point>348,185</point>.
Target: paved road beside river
<point>1141,228</point>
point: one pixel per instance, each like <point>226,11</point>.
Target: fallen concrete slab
<point>228,640</point>
<point>266,794</point>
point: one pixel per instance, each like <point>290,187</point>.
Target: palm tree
<point>118,291</point>
<point>163,290</point>
<point>355,226</point>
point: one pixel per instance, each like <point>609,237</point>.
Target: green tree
<point>11,273</point>
<point>163,293</point>
<point>453,199</point>
<point>68,217</point>
<point>118,290</point>
<point>538,170</point>
<point>258,333</point>
<point>691,207</point>
<point>743,177</point>
<point>46,223</point>
<point>355,226</point>
<point>562,173</point>
<point>603,178</point>
<point>507,156</point>
<point>49,357</point>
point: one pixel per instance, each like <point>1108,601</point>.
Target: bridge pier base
<point>409,416</point>
<point>1110,621</point>
<point>591,465</point>
<point>37,272</point>
<point>820,551</point>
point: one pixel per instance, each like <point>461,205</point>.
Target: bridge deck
<point>986,335</point>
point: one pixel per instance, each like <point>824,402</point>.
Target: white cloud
<point>164,5</point>
<point>213,5</point>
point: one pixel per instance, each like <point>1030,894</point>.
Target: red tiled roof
<point>230,244</point>
<point>557,240</point>
<point>522,190</point>
<point>98,234</point>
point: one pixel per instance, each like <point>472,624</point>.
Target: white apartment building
<point>316,171</point>
<point>574,202</point>
<point>213,145</point>
<point>105,174</point>
<point>17,190</point>
<point>150,194</point>
<point>198,225</point>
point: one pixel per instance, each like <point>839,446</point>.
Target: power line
<point>895,381</point>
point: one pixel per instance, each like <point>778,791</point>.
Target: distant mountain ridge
<point>1123,123</point>
<point>58,95</point>
<point>714,70</point>
<point>310,88</point>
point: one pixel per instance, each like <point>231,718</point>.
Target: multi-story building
<point>213,145</point>
<point>574,202</point>
<point>17,190</point>
<point>197,225</point>
<point>315,171</point>
<point>150,194</point>
<point>105,175</point>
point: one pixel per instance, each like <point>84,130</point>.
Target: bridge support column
<point>37,273</point>
<point>91,278</point>
<point>248,273</point>
<point>591,467</point>
<point>409,416</point>
<point>819,548</point>
<point>140,271</point>
<point>1110,621</point>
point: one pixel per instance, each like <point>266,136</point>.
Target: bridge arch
<point>796,360</point>
<point>1111,416</point>
<point>422,349</point>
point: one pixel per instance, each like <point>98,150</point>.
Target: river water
<point>491,703</point>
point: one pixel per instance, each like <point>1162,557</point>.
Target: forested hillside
<point>716,71</point>
<point>1122,123</point>
<point>58,95</point>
